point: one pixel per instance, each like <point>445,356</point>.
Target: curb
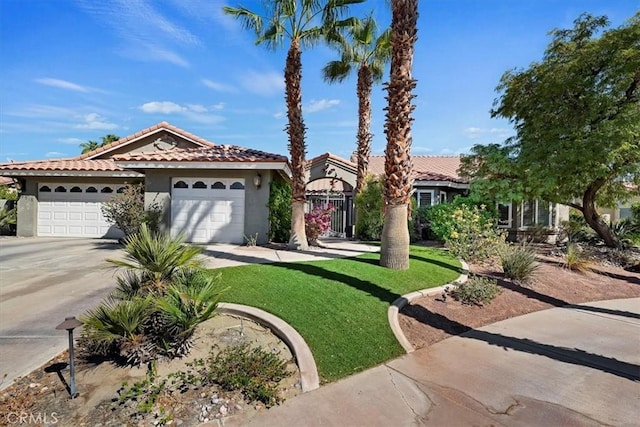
<point>309,379</point>
<point>397,305</point>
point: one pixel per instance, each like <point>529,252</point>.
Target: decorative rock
<point>223,410</point>
<point>203,394</point>
<point>238,407</point>
<point>34,385</point>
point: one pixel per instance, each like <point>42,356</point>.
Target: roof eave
<point>263,165</point>
<point>69,173</point>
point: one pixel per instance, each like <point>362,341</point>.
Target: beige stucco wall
<point>162,140</point>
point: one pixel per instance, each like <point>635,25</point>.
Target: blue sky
<point>74,70</point>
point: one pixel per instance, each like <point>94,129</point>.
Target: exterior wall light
<point>257,180</point>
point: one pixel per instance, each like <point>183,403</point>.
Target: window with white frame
<point>537,212</point>
<point>425,197</point>
<point>443,196</point>
<point>504,215</point>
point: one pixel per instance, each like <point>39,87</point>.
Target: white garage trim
<point>208,210</point>
<point>75,210</point>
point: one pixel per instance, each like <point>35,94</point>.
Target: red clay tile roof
<point>326,156</point>
<point>217,153</point>
<point>143,132</point>
<point>105,165</point>
<point>5,180</point>
<point>425,168</point>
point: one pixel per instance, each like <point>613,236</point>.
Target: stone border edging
<point>396,306</point>
<point>309,379</point>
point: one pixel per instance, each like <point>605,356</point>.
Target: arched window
<point>237,186</point>
<point>120,190</point>
<point>60,189</point>
<point>180,184</point>
<point>45,189</point>
<point>76,189</point>
<point>92,190</point>
<point>107,190</point>
<point>218,186</point>
<point>199,184</point>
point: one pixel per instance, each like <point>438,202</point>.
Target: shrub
<point>369,214</point>
<point>317,222</point>
<point>8,219</point>
<point>442,221</point>
<point>414,225</point>
<point>8,193</point>
<point>575,259</point>
<point>577,229</point>
<point>476,291</point>
<point>468,230</point>
<point>255,372</point>
<point>127,212</point>
<point>279,211</point>
<point>157,304</point>
<point>518,262</point>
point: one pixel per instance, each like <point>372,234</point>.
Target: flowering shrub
<point>472,236</point>
<point>318,221</point>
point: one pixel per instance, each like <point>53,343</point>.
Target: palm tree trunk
<point>297,149</point>
<point>398,182</point>
<point>365,83</point>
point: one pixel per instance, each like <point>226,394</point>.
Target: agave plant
<point>155,258</point>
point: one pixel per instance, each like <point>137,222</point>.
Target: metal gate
<point>338,216</point>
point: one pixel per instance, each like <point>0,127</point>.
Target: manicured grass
<point>339,306</point>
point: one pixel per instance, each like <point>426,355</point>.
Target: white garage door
<point>208,210</point>
<point>74,210</point>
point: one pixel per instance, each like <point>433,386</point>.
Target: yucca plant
<point>575,259</point>
<point>519,262</point>
<point>156,258</point>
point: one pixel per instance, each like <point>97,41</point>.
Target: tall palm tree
<point>394,252</point>
<point>363,49</point>
<point>298,22</point>
<point>92,145</point>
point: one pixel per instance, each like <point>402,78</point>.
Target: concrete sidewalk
<point>228,255</point>
<point>563,366</point>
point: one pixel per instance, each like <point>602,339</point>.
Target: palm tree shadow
<point>573,356</point>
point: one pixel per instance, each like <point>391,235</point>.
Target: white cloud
<point>218,106</point>
<point>264,84</point>
<point>419,149</point>
<point>321,104</point>
<point>144,30</point>
<point>217,86</point>
<point>63,84</point>
<point>195,112</point>
<point>70,141</point>
<point>54,154</point>
<point>162,107</point>
<point>476,132</point>
<point>279,115</point>
<point>96,122</point>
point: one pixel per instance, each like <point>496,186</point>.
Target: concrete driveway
<point>42,280</point>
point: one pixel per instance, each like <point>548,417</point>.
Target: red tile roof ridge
<point>221,152</point>
<point>162,125</point>
<point>329,155</point>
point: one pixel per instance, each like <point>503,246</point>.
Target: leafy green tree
<point>296,21</point>
<point>92,145</point>
<point>363,50</point>
<point>577,120</point>
<point>369,202</point>
<point>398,179</point>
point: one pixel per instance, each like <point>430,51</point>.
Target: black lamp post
<point>70,323</point>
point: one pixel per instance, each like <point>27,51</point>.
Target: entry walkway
<point>562,366</point>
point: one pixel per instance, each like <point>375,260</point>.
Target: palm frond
<point>250,20</point>
<point>336,71</point>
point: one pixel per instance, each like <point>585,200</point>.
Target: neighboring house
<point>623,209</point>
<point>436,180</point>
<point>207,192</point>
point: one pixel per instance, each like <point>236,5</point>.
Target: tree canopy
<point>92,145</point>
<point>576,115</point>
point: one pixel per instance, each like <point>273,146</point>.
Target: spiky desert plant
<point>575,259</point>
<point>519,262</point>
<point>120,324</point>
<point>189,301</point>
<point>156,257</point>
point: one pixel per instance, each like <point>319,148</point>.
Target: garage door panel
<point>208,214</point>
<point>75,214</point>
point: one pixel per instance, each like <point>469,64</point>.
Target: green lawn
<point>339,306</point>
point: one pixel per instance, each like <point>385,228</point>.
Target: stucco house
<point>208,192</point>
